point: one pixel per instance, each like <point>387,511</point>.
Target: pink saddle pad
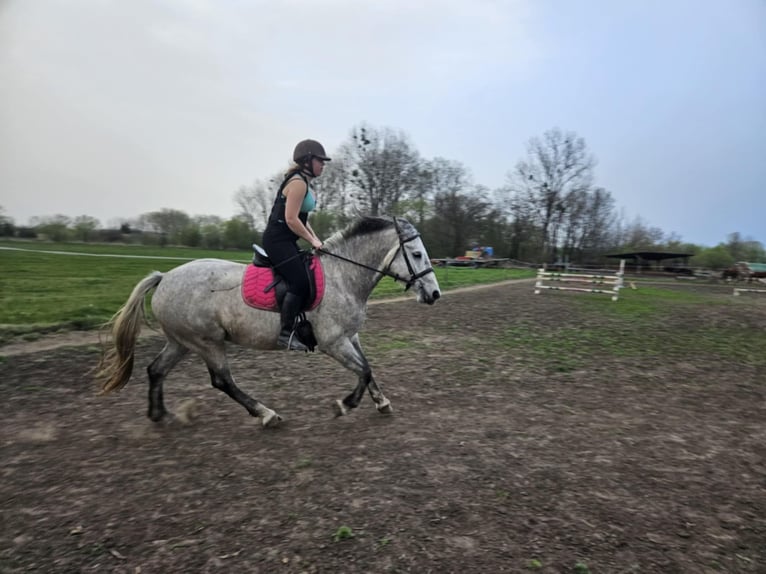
<point>256,279</point>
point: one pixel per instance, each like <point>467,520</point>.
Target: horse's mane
<point>361,226</point>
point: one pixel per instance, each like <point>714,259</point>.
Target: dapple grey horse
<point>199,307</point>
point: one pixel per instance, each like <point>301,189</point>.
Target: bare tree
<point>558,168</point>
<point>384,168</point>
<point>459,208</point>
<point>254,202</point>
<point>639,235</point>
<point>596,231</point>
<point>334,188</point>
<point>432,177</point>
<point>587,223</point>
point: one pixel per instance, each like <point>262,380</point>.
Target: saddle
<point>263,287</point>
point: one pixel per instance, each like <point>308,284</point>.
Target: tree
<point>738,249</point>
<point>237,234</point>
<point>639,236</point>
<point>191,235</point>
<point>714,258</point>
<point>208,231</point>
<point>383,169</point>
<point>84,227</point>
<point>334,189</point>
<point>558,168</point>
<point>169,223</point>
<point>255,202</point>
<point>587,224</point>
<point>7,227</point>
<point>460,208</point>
<point>753,251</point>
<point>55,228</point>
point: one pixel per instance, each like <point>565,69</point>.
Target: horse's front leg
<point>348,352</point>
<point>381,402</point>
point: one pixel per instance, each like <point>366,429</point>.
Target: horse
<point>199,308</point>
<point>737,272</point>
<point>730,273</point>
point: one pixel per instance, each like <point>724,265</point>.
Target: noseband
<point>409,282</point>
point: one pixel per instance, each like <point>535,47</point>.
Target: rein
<point>387,271</point>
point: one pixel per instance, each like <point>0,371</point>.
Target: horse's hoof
<point>339,408</point>
<point>271,420</point>
<point>167,420</point>
<point>159,415</point>
<point>384,407</point>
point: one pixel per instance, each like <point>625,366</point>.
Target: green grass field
<point>43,292</point>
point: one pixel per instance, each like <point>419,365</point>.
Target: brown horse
<point>743,272</point>
<point>732,272</point>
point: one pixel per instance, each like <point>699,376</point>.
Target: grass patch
<point>304,462</point>
<point>646,325</point>
<point>102,249</point>
<point>644,303</point>
<point>570,348</point>
<point>389,343</point>
<point>343,533</point>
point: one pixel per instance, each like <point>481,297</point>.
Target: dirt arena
<point>492,462</point>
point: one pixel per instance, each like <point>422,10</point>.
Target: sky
<point>114,108</point>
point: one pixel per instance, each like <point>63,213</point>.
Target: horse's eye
<point>417,254</point>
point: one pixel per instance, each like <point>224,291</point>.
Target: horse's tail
<point>116,365</point>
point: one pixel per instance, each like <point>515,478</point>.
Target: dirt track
<point>492,462</point>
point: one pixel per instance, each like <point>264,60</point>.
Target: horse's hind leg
<point>348,352</point>
<point>222,379</point>
<point>157,371</point>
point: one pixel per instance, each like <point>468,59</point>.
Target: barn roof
<point>755,266</point>
<point>650,255</point>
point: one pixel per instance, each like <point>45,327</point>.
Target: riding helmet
<point>307,149</point>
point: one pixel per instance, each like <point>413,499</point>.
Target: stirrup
<point>291,342</point>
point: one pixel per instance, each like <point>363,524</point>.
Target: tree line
<point>549,210</point>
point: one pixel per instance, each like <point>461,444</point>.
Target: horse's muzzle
<point>434,296</point>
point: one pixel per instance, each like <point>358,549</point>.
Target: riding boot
<point>291,306</point>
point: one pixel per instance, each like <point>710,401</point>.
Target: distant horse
<point>730,273</point>
<point>736,272</point>
<point>199,307</point>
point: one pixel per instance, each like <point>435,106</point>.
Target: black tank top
<point>277,222</point>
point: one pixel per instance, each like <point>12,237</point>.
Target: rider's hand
<point>316,243</point>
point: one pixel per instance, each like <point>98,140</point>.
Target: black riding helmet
<point>307,149</point>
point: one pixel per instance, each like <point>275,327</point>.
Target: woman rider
<point>288,222</point>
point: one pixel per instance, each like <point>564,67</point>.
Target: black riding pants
<point>284,254</point>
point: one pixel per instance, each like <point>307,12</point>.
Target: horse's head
<point>391,247</point>
<point>412,264</point>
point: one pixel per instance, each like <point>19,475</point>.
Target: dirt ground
<point>491,462</point>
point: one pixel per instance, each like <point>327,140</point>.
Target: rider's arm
<point>295,191</point>
<point>311,230</point>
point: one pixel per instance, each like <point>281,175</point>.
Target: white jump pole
<point>738,290</point>
<point>615,280</point>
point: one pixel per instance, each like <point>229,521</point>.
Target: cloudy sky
<point>113,108</point>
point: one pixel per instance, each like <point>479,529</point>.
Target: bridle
<point>409,282</point>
